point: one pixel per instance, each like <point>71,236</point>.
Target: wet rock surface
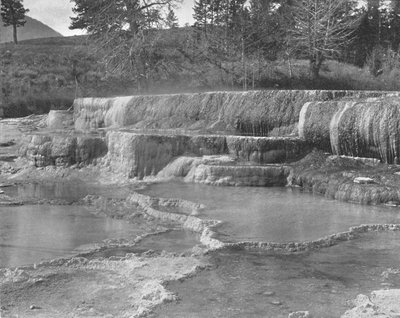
<point>381,303</point>
<point>337,179</point>
<point>48,149</point>
<point>239,175</point>
<point>354,127</point>
<point>202,144</point>
<point>256,113</point>
<point>60,119</point>
<point>92,286</point>
<point>267,150</point>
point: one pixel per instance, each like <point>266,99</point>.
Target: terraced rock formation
<point>141,135</point>
<point>359,128</point>
<point>255,113</point>
<point>223,138</point>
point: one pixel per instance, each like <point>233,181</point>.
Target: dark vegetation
<point>43,74</point>
<point>233,45</point>
<point>13,14</point>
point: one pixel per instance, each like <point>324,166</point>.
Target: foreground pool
<point>31,233</point>
<point>259,284</point>
<point>274,214</point>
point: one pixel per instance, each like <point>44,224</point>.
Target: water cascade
<point>59,119</point>
<point>256,113</point>
<point>145,133</point>
<point>359,128</point>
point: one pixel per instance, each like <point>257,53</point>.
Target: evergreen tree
<point>374,21</point>
<point>122,29</point>
<point>13,14</point>
<point>200,13</point>
<point>171,20</point>
<point>395,24</point>
<point>364,40</point>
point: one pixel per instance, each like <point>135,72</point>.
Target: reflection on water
<point>246,284</point>
<point>176,241</point>
<point>173,241</point>
<point>70,191</point>
<point>274,214</point>
<point>29,234</point>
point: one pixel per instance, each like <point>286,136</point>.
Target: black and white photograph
<point>199,158</point>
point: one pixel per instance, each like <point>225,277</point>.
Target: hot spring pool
<point>274,214</point>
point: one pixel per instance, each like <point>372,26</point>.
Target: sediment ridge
<point>255,113</point>
<point>209,236</point>
<point>359,128</point>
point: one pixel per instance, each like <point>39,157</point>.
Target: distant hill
<point>33,29</point>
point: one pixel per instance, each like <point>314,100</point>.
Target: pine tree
<point>374,17</point>
<point>13,13</point>
<point>171,20</point>
<point>123,31</point>
<point>200,14</point>
<point>395,24</point>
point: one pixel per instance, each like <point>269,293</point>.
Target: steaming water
<point>274,214</point>
<point>29,234</point>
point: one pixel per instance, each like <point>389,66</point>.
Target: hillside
<point>40,74</point>
<point>33,29</point>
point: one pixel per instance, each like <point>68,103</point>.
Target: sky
<point>56,13</point>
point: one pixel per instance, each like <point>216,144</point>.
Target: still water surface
<point>31,233</point>
<point>239,283</point>
<point>274,214</point>
<point>259,284</point>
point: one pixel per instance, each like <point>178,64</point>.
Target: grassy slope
<point>40,74</point>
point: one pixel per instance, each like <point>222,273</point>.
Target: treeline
<point>234,40</point>
<point>348,31</point>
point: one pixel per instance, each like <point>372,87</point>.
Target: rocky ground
<point>85,285</point>
<point>358,180</point>
<point>133,284</point>
<point>128,286</point>
<point>381,303</point>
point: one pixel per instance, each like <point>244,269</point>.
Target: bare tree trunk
<point>253,84</point>
<point>244,66</point>
<point>315,66</point>
<point>15,33</point>
<point>76,87</point>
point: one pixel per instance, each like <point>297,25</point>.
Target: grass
<point>41,74</point>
